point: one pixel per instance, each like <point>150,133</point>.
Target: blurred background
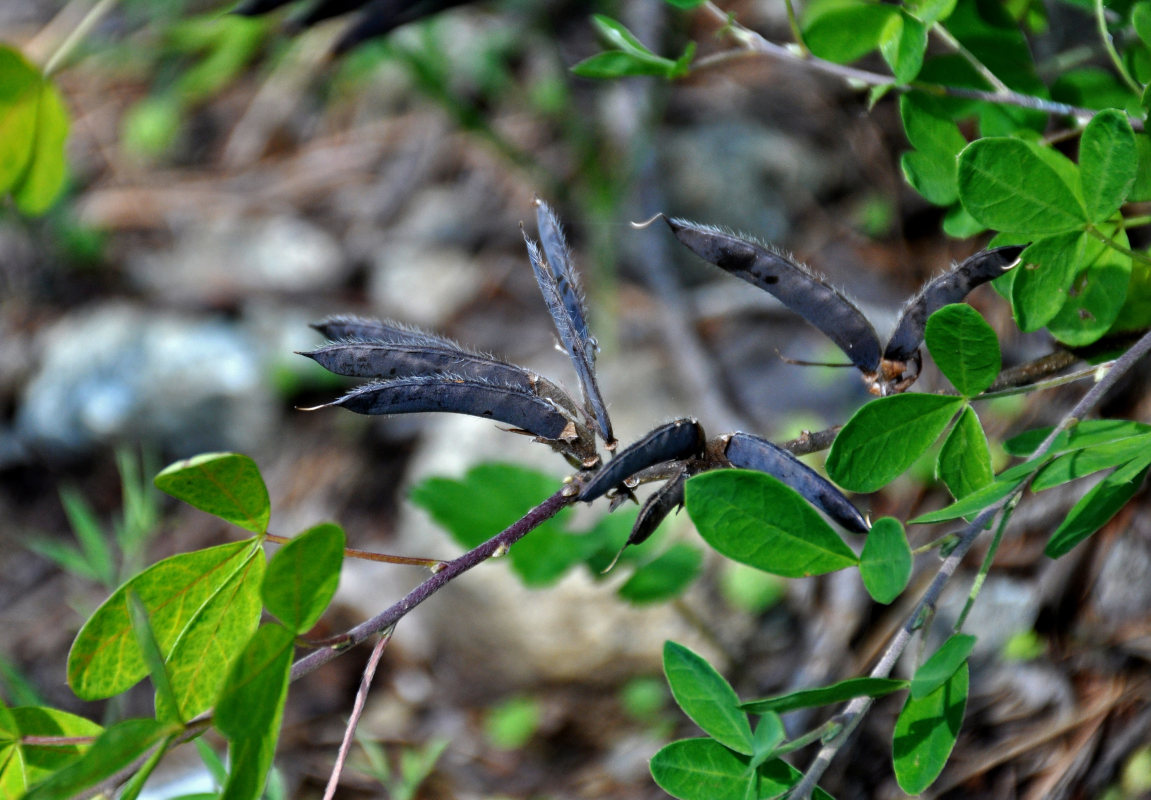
<point>231,182</point>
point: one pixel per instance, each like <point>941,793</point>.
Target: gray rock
<point>119,373</point>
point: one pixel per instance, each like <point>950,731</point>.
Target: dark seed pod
<point>678,439</point>
<point>751,452</point>
<point>950,287</point>
<point>508,404</point>
<point>387,360</point>
<point>655,510</point>
<point>362,329</point>
<point>558,256</point>
<point>817,302</point>
<point>571,340</point>
<point>381,17</point>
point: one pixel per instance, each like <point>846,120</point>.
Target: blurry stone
<point>119,373</point>
<point>1121,592</point>
<point>421,284</point>
<point>230,256</point>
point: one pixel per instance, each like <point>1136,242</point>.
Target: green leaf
<point>686,5</point>
<point>19,82</point>
<point>885,437</point>
<point>105,659</point>
<point>115,749</point>
<point>621,64</point>
<point>23,764</point>
<point>938,669</point>
<point>844,32</point>
<point>1108,163</point>
<point>706,697</point>
<point>754,519</point>
<point>1141,191</point>
<point>664,577</point>
<point>1046,274</point>
<point>250,761</point>
<point>94,543</point>
<point>1080,463</point>
<point>931,11</point>
<point>43,177</point>
<point>150,650</point>
<point>703,769</point>
<point>1095,299</point>
<point>902,44</point>
<point>885,564</point>
<point>252,699</point>
<point>199,661</point>
<point>1086,433</point>
<point>226,485</point>
<point>619,36</point>
<point>1006,184</point>
<point>978,500</point>
<point>930,168</point>
<point>959,224</point>
<point>826,695</point>
<point>925,733</point>
<point>769,734</point>
<point>492,496</point>
<point>1141,19</point>
<point>302,577</point>
<point>964,347</point>
<point>1097,507</point>
<point>33,128</point>
<point>965,459</point>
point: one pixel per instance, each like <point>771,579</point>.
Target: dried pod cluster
<point>889,371</point>
<point>415,371</point>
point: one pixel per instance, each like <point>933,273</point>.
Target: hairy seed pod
<point>950,287</point>
<point>678,439</point>
<point>655,510</point>
<point>346,327</point>
<point>386,360</point>
<point>559,261</point>
<point>508,404</point>
<point>751,452</point>
<point>572,342</point>
<point>381,17</point>
<point>807,295</point>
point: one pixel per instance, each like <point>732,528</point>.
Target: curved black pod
<point>508,404</point>
<point>817,302</point>
<point>655,509</point>
<point>678,439</point>
<point>751,452</point>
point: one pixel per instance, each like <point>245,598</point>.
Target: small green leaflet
<point>1098,506</point>
<point>1086,433</point>
<point>146,641</point>
<point>769,734</point>
<point>925,733</point>
<point>178,593</point>
<point>975,502</point>
<point>902,43</point>
<point>303,575</point>
<point>33,129</point>
<point>964,347</point>
<point>114,750</point>
<point>664,577</point>
<point>1080,463</point>
<point>844,32</point>
<point>754,519</point>
<point>707,698</point>
<point>885,437</point>
<point>1046,273</point>
<point>703,769</point>
<point>1095,298</point>
<point>885,564</point>
<point>251,708</point>
<point>930,167</point>
<point>965,458</point>
<point>631,56</point>
<point>938,669</point>
<point>226,485</point>
<point>23,764</point>
<point>1108,163</point>
<point>826,695</point>
<point>1007,185</point>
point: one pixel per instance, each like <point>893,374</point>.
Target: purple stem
<point>451,569</point>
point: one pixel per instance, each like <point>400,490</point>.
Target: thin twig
<point>434,564</point>
<point>357,712</point>
<point>94,15</point>
<point>1109,46</point>
<point>498,544</point>
<point>1000,87</point>
<point>858,707</point>
<point>755,43</point>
